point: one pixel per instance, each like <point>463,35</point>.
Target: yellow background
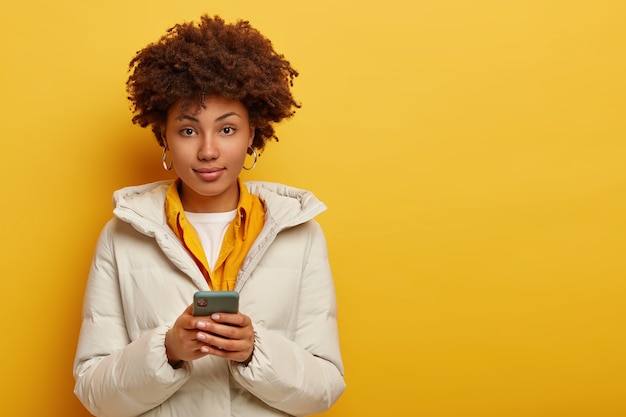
<point>471,154</point>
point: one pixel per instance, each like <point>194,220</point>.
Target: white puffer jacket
<point>142,279</point>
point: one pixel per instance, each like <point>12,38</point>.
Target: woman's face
<point>208,147</point>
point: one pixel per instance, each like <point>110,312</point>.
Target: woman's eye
<point>228,130</point>
<point>187,132</point>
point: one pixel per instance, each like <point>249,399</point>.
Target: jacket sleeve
<point>305,375</point>
<point>114,375</point>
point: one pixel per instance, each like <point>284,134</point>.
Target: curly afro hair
<point>192,61</point>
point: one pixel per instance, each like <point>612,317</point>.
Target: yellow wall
<point>471,153</point>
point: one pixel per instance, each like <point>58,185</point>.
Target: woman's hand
<point>229,336</point>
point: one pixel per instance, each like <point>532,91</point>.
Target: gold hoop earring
<point>166,166</point>
<point>255,159</point>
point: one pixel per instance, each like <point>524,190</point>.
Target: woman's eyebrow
<point>226,115</point>
<point>219,118</point>
<point>187,117</point>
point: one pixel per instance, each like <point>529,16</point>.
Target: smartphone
<point>206,303</point>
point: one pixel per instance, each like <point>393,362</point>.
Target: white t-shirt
<point>211,228</point>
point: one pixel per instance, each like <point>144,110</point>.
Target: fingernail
<point>215,316</point>
<point>201,336</point>
<point>201,324</point>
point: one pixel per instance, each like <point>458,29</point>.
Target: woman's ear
<point>164,139</point>
<point>251,138</point>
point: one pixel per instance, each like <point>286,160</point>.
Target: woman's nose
<point>208,149</point>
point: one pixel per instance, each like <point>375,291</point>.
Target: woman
<point>211,93</point>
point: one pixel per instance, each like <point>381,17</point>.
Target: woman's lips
<point>209,174</point>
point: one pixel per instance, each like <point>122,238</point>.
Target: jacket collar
<point>143,205</point>
<point>288,206</point>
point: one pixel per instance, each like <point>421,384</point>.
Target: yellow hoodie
<point>239,237</point>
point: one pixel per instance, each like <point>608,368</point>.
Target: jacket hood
<point>143,205</point>
<point>288,206</point>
